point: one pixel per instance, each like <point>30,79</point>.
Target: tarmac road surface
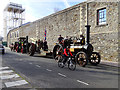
<point>41,72</point>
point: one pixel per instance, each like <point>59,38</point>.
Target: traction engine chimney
<point>88,34</point>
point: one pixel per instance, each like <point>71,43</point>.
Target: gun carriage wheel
<point>81,58</point>
<point>95,58</point>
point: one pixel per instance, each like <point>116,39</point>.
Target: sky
<point>36,9</point>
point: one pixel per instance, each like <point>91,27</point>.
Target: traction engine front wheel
<point>95,58</point>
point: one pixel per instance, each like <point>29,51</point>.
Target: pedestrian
<point>45,45</point>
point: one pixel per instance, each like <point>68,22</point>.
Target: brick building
<point>104,18</point>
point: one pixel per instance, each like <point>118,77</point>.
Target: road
<point>41,72</point>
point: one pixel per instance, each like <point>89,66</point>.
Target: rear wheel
<point>82,58</point>
<point>31,50</point>
<point>58,52</point>
<point>95,58</point>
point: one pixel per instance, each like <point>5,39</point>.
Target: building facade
<point>13,17</point>
<point>103,17</point>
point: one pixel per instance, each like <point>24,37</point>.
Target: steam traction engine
<point>21,45</point>
<point>82,53</point>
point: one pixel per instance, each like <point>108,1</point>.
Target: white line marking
<point>30,63</point>
<point>38,66</point>
<point>49,70</point>
<point>1,68</point>
<point>82,82</point>
<point>21,59</point>
<point>15,83</point>
<point>9,76</point>
<point>6,71</point>
<point>61,74</point>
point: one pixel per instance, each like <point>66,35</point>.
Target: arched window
<point>17,33</point>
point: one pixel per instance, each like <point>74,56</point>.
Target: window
<point>101,16</point>
<point>10,35</point>
<point>17,34</point>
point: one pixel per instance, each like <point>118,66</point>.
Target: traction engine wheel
<point>81,58</point>
<point>31,50</point>
<point>95,58</point>
<point>58,52</point>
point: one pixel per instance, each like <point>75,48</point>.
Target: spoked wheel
<point>31,50</point>
<point>82,59</point>
<point>95,58</point>
<point>72,64</point>
<point>57,58</point>
<point>58,52</point>
<point>60,62</point>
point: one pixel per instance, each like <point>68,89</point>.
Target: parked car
<point>2,49</point>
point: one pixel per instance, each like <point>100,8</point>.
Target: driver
<point>82,40</point>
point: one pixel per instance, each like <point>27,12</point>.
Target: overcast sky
<point>36,9</point>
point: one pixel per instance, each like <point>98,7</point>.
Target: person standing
<point>60,39</point>
<point>82,40</point>
<point>66,43</point>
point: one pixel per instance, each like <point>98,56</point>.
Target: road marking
<point>82,82</point>
<point>9,76</point>
<point>61,74</point>
<point>6,71</point>
<point>15,83</point>
<point>1,68</point>
<point>49,70</point>
<point>21,59</point>
<point>38,66</point>
<point>30,63</point>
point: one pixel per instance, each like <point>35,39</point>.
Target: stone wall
<point>119,31</point>
<point>72,21</point>
<point>105,37</point>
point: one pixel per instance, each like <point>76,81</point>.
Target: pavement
<point>110,63</point>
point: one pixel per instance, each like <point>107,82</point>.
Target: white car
<point>2,49</point>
